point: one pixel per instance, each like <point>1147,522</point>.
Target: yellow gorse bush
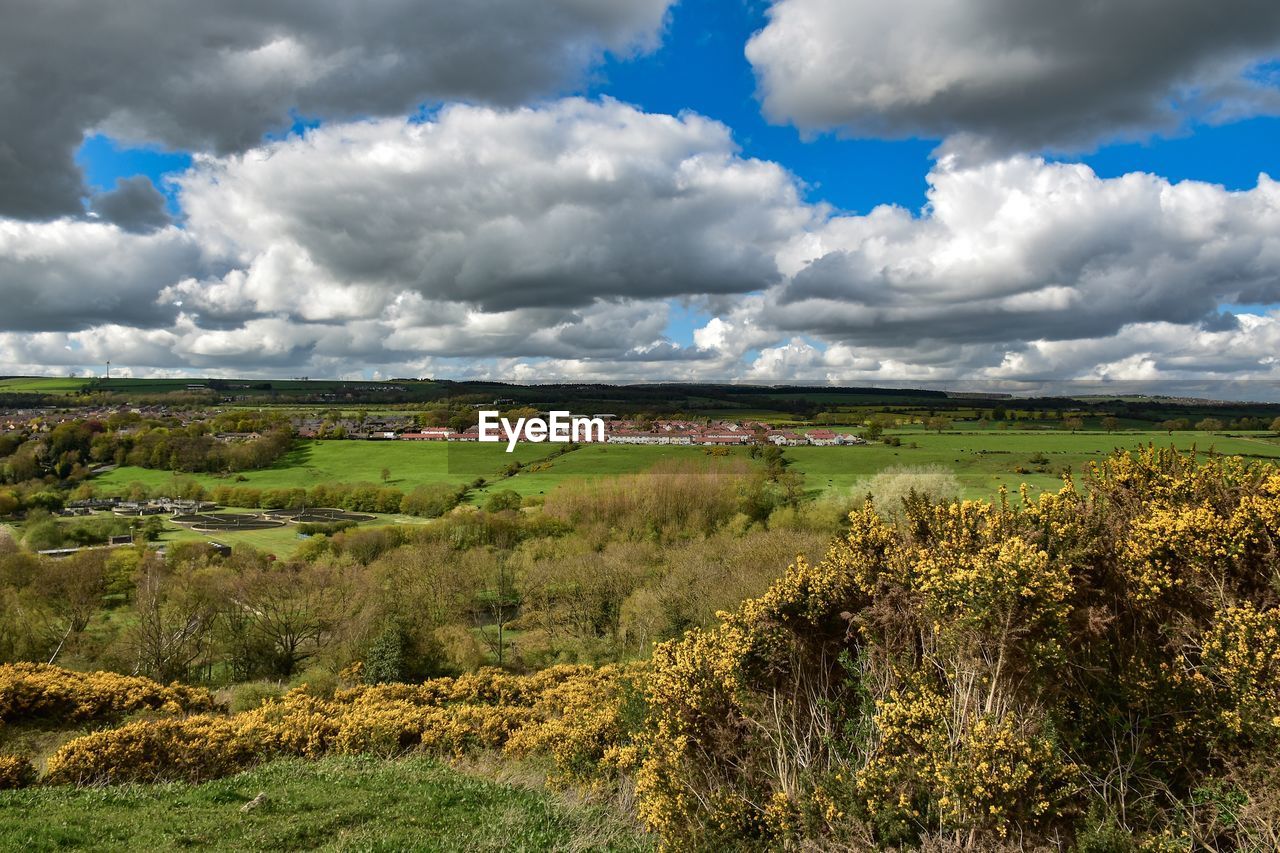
<point>569,714</point>
<point>31,691</point>
<point>978,668</point>
<point>15,772</point>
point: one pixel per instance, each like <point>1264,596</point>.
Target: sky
<point>1010,192</point>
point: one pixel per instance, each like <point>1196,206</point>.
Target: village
<point>662,432</point>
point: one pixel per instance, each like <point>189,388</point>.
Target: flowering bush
<point>15,772</point>
<point>195,748</point>
<point>31,691</point>
<point>978,669</point>
<point>486,710</point>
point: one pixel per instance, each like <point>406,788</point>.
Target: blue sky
<point>700,66</point>
<point>767,263</point>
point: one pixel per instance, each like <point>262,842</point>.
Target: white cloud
<point>217,76</point>
<point>74,274</point>
<point>1013,74</point>
<point>1021,249</point>
<point>552,243</point>
<point>498,209</point>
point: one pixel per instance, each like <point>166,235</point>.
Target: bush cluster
<point>32,691</point>
<point>16,772</point>
<point>984,671</point>
<point>448,716</point>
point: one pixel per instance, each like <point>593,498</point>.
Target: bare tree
<point>176,608</point>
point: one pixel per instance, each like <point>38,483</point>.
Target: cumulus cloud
<point>557,232</point>
<point>1023,250</point>
<point>498,210</point>
<point>552,243</point>
<point>135,205</point>
<point>1014,74</point>
<point>70,274</point>
<point>217,76</point>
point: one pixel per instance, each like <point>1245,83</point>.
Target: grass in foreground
<point>332,804</point>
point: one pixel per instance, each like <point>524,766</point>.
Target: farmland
<point>314,462</point>
<point>40,385</point>
<point>982,460</point>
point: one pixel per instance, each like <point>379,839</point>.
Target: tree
<point>176,607</point>
<point>283,614</point>
<point>1110,423</point>
<point>1210,425</point>
<point>73,587</point>
<point>502,501</point>
<point>386,474</point>
<point>938,423</point>
<point>1073,423</point>
<point>1275,425</point>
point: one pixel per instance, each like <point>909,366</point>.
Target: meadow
<point>340,803</point>
<point>280,541</point>
<point>982,460</point>
<point>408,463</point>
<point>41,385</point>
<point>985,460</point>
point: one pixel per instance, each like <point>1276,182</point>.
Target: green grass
<point>594,461</point>
<point>281,541</point>
<point>985,460</point>
<point>41,385</point>
<point>982,460</point>
<point>411,463</point>
<point>331,804</point>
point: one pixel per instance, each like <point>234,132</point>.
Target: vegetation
<point>344,803</point>
<point>1091,667</point>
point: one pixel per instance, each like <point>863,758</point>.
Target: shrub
<point>983,670</point>
<point>191,749</point>
<point>894,486</point>
<point>16,772</point>
<point>253,694</point>
<point>30,691</point>
<point>447,716</point>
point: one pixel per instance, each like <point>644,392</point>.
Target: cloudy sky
<point>538,190</point>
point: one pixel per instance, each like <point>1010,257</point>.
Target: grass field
<point>605,460</point>
<point>281,541</point>
<point>411,464</point>
<point>331,804</point>
<point>983,460</point>
<point>41,385</point>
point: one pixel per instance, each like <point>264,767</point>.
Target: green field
<point>594,461</point>
<point>41,385</point>
<point>331,804</point>
<point>983,460</point>
<point>411,463</point>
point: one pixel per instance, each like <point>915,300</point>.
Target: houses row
<point>723,435</point>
